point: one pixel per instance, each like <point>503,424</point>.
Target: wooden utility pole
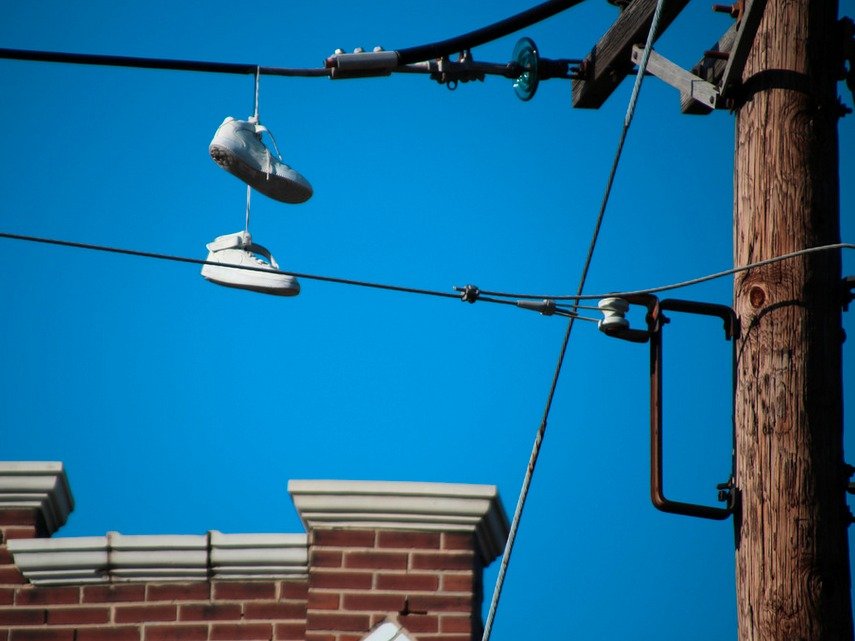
<point>792,558</point>
<point>790,479</point>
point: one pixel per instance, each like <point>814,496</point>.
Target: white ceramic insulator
<point>614,311</point>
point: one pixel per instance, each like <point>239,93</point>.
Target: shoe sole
<point>280,188</point>
<point>225,276</point>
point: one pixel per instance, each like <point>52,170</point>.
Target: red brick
<point>325,559</point>
<point>210,612</point>
<point>289,631</point>
<point>73,616</point>
<point>7,596</point>
<point>376,560</point>
<point>442,561</point>
<point>420,623</point>
<point>176,633</point>
<point>19,516</point>
<point>344,580</point>
<point>455,624</point>
<point>337,622</point>
<point>321,636</point>
<point>408,540</point>
<point>458,582</point>
<point>275,610</point>
<point>244,590</point>
<point>440,603</point>
<point>179,592</point>
<point>344,538</point>
<point>241,631</point>
<point>10,574</point>
<point>22,616</point>
<point>323,601</point>
<point>146,613</point>
<point>113,593</point>
<point>423,582</point>
<point>121,633</point>
<point>295,590</point>
<point>42,634</point>
<point>19,532</point>
<point>5,556</point>
<point>457,541</point>
<point>374,602</point>
<point>47,596</point>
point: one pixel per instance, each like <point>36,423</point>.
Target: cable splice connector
<point>545,307</point>
<point>361,63</point>
<point>470,294</point>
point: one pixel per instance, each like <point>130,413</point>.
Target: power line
<point>317,277</point>
<point>541,431</point>
<point>402,57</point>
<point>681,284</point>
<point>157,63</point>
<point>485,34</point>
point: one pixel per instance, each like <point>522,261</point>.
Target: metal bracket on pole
<point>688,84</point>
<point>698,95</point>
<point>616,325</point>
<point>745,32</point>
<point>656,320</point>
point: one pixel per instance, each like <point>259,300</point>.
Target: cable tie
<point>470,294</point>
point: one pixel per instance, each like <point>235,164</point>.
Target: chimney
<point>409,553</point>
<point>35,501</point>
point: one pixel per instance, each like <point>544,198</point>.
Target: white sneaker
<point>238,250</point>
<point>237,148</point>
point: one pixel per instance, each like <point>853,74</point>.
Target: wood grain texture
<point>610,59</point>
<point>792,558</point>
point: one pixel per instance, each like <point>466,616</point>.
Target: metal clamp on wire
<point>361,64</point>
<point>545,307</point>
<point>464,69</point>
<point>470,294</point>
<point>615,324</point>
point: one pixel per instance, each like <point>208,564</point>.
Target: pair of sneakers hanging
<point>238,148</point>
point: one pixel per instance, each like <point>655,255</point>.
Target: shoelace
<point>259,130</point>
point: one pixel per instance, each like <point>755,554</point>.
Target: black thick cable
<point>156,63</point>
<point>406,56</point>
<point>485,34</point>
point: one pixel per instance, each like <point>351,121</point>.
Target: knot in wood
<point>756,296</point>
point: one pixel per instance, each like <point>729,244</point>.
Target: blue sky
<point>179,406</point>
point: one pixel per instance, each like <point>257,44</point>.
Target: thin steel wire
<point>681,284</point>
<point>541,431</point>
<point>196,261</point>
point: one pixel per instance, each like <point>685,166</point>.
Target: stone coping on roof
<point>321,504</point>
<point>116,557</point>
<point>37,485</point>
<point>447,507</point>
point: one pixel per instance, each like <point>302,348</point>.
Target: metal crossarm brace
<point>689,85</point>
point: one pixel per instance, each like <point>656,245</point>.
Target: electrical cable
<point>405,56</point>
<point>157,63</point>
<point>485,34</point>
<point>541,431</point>
<point>681,284</point>
<point>196,261</point>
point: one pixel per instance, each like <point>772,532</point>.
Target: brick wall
<point>430,580</point>
<point>409,552</point>
<point>221,610</point>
